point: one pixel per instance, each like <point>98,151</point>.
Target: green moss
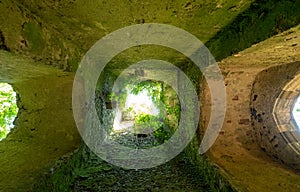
<point>84,171</point>
<point>226,26</point>
<point>260,21</point>
<point>210,174</point>
<point>74,61</point>
<point>33,33</point>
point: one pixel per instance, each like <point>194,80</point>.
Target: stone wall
<point>262,70</point>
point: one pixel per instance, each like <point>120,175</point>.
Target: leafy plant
<point>148,121</point>
<point>154,89</point>
<point>8,109</point>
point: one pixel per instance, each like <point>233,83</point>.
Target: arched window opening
<point>296,112</point>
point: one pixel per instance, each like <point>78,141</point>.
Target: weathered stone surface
<point>267,67</point>
<point>244,121</point>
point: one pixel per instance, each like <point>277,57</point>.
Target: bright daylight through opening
<point>144,109</point>
<point>135,105</point>
<point>8,109</point>
<point>296,112</point>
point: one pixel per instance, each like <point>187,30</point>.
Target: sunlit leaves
<point>154,89</point>
<point>148,121</point>
<point>8,109</point>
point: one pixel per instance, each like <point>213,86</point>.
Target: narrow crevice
<point>2,42</point>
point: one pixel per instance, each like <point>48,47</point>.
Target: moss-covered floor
<point>84,171</point>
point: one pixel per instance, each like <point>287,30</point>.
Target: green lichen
<point>33,33</point>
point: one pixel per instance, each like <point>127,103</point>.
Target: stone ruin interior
<point>256,45</point>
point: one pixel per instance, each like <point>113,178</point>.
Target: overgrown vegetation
<point>8,109</point>
<point>164,98</point>
<point>84,171</point>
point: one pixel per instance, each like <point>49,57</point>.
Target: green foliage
<point>162,134</point>
<point>146,121</point>
<point>154,89</point>
<point>8,109</point>
<point>143,118</point>
<point>160,125</point>
<point>164,98</point>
